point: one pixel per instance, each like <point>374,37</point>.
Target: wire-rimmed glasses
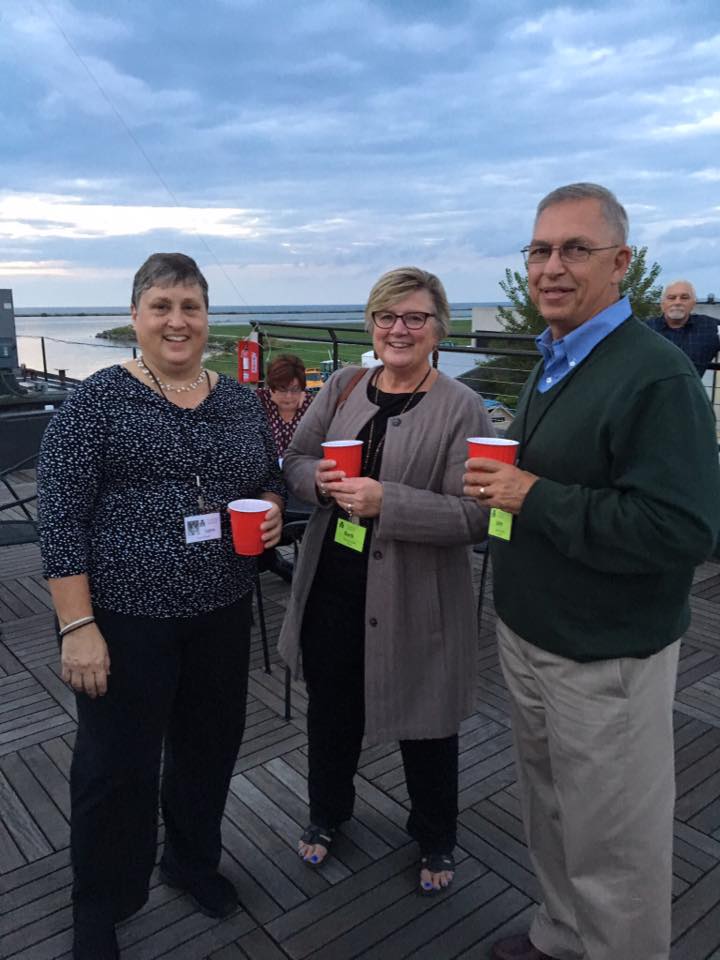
<point>569,252</point>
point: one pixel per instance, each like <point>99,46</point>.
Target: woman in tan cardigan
<point>381,612</point>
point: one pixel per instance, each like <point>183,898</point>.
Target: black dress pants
<point>333,651</point>
<point>182,681</point>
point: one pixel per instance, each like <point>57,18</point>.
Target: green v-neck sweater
<point>601,559</point>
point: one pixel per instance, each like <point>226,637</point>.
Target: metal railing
<point>503,362</point>
<point>498,362</point>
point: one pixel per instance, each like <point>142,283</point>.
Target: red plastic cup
<point>245,519</point>
<point>494,448</point>
<point>347,455</point>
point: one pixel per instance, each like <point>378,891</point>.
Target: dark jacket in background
<point>698,338</point>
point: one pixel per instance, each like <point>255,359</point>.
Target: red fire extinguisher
<point>249,359</point>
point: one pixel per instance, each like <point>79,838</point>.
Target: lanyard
<point>201,498</point>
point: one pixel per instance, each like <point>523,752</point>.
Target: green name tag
<point>500,524</point>
<point>350,535</point>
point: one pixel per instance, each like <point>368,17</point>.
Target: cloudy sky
<point>299,148</point>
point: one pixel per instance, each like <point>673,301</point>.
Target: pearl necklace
<point>184,388</point>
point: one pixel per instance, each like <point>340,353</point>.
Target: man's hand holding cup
<point>492,477</point>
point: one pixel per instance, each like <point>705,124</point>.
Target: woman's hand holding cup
<point>359,496</point>
<point>326,474</point>
<point>271,527</point>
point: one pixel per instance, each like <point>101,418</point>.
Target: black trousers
<point>182,682</point>
<point>333,650</point>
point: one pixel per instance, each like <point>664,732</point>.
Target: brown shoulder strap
<point>353,382</point>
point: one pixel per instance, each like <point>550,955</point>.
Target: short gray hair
<point>612,210</point>
<point>395,285</point>
<point>672,284</point>
<point>168,270</point>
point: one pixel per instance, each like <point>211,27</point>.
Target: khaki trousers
<point>594,744</point>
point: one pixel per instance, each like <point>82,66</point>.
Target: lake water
<point>71,343</point>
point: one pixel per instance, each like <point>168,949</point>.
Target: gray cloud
<point>330,139</point>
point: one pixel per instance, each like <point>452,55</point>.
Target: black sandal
<point>436,863</point>
<point>312,835</point>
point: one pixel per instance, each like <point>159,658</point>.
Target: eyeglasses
<point>294,390</point>
<point>385,319</point>
<point>570,252</point>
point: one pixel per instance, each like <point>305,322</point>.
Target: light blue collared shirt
<point>563,355</point>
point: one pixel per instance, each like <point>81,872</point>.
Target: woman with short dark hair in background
<point>286,401</point>
<point>154,605</point>
<point>381,618</point>
<point>285,398</point>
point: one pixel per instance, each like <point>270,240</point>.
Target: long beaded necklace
<point>185,388</point>
<point>369,469</point>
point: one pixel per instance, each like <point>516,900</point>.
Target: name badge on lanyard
<point>500,524</point>
<point>202,526</point>
<point>351,535</point>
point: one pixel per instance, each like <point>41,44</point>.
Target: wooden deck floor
<point>363,903</point>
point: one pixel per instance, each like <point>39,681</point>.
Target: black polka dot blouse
<point>117,475</point>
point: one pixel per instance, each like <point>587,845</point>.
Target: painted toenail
<point>427,885</point>
<point>314,858</point>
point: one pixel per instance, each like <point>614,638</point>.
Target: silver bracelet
<point>76,624</point>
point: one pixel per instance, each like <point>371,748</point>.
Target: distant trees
<point>522,316</point>
<point>639,285</point>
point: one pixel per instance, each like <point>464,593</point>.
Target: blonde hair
<point>395,285</point>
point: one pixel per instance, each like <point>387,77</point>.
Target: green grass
<point>282,341</point>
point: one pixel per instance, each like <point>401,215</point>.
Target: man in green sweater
<point>614,500</point>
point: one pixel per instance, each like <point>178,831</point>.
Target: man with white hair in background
<point>697,335</point>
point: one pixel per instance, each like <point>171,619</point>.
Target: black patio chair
<point>16,530</point>
<point>261,622</point>
<point>292,532</point>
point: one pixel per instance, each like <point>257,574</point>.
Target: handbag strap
<point>352,383</point>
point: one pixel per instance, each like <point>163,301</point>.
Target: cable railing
<point>494,364</point>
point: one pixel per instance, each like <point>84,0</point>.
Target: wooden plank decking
<point>363,903</point>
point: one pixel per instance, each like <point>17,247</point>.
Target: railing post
<point>261,358</point>
<point>42,345</point>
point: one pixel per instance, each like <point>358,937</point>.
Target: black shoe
<point>93,936</point>
<point>518,948</point>
<point>212,894</point>
<point>312,836</point>
<point>436,863</point>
